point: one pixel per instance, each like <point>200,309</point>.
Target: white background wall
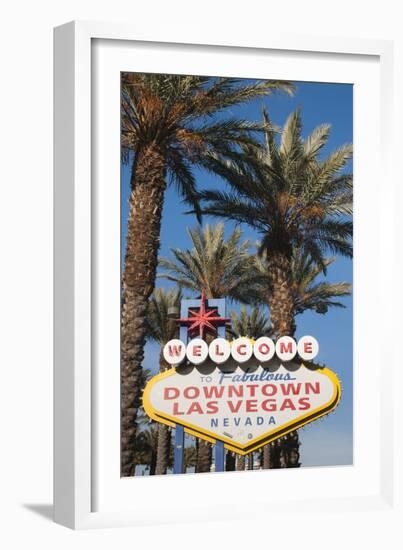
<point>26,252</point>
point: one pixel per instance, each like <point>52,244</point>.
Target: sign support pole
<point>179,449</point>
<point>219,456</point>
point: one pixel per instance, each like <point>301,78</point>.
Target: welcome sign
<point>245,403</point>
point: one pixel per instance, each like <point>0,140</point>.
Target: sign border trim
<point>256,443</point>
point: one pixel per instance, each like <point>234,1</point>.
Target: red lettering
<point>171,393</point>
<point>269,405</point>
<point>287,404</point>
<point>241,346</point>
<point>212,407</point>
<point>251,405</point>
<point>264,348</point>
<point>269,389</point>
<point>213,391</point>
<point>235,390</point>
<point>218,350</point>
<point>176,411</point>
<point>304,403</point>
<point>307,347</point>
<point>191,392</point>
<point>195,407</point>
<point>311,388</point>
<point>252,389</point>
<point>175,350</point>
<point>285,347</point>
<point>196,351</point>
<point>288,389</point>
<point>234,408</point>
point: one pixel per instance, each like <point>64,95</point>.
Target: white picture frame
<point>88,491</point>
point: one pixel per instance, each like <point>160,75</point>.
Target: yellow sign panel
<point>245,407</point>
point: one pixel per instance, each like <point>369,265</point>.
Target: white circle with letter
<point>264,349</point>
<point>174,351</point>
<point>219,350</point>
<point>197,351</point>
<point>242,349</point>
<point>286,348</point>
<point>308,348</point>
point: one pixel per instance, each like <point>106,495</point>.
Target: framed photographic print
<point>219,236</point>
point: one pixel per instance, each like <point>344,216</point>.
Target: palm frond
<point>309,293</point>
<point>174,111</point>
<point>160,327</point>
<point>316,141</point>
<point>250,323</point>
<point>285,192</point>
<point>219,265</point>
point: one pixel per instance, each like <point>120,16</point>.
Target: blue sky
<point>323,442</point>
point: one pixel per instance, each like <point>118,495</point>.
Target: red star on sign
<point>203,320</point>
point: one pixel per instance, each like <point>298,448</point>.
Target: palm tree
<point>161,328</point>
<point>240,463</point>
<point>190,457</point>
<point>307,294</point>
<point>295,200</point>
<point>204,455</point>
<point>143,454</point>
<point>146,448</point>
<point>230,461</point>
<point>142,418</point>
<point>252,325</point>
<point>166,127</point>
<point>220,266</point>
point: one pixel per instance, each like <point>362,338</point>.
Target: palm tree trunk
<point>250,461</point>
<point>267,463</point>
<point>197,445</point>
<point>281,305</point>
<point>280,298</point>
<point>153,463</point>
<point>230,462</point>
<point>144,224</point>
<point>271,456</point>
<point>204,454</point>
<point>240,463</point>
<point>163,449</point>
<point>289,451</point>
